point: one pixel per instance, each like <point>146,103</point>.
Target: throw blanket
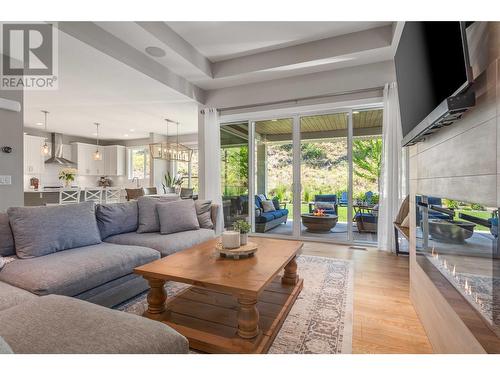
<point>6,260</point>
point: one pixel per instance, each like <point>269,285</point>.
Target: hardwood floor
<point>384,318</point>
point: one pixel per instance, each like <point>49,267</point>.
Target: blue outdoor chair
<point>369,197</point>
<point>344,199</point>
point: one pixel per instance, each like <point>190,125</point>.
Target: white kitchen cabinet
<point>84,158</point>
<point>114,160</point>
<point>34,162</point>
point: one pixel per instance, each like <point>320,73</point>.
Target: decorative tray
<point>244,251</point>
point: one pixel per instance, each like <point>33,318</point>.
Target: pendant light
<point>97,154</point>
<point>45,147</point>
<point>172,151</point>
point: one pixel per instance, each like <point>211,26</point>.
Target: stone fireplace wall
<point>461,162</point>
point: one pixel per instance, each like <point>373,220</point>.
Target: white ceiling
<point>106,76</point>
<point>94,87</point>
<point>226,40</point>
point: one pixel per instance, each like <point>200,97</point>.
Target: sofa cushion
<point>58,324</point>
<point>280,213</point>
<point>203,211</point>
<point>366,217</point>
<point>6,238</point>
<point>44,230</point>
<point>117,218</point>
<point>177,216</point>
<point>165,244</point>
<point>264,217</point>
<point>74,271</point>
<point>148,215</point>
<point>4,347</point>
<point>12,296</point>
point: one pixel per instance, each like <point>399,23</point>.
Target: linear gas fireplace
<point>458,248</point>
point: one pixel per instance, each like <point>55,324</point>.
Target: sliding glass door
<point>324,176</point>
<point>312,176</point>
<point>273,176</point>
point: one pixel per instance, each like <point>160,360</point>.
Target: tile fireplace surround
<point>460,163</point>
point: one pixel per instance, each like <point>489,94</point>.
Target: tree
<point>367,158</point>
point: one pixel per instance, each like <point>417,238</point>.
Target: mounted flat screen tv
<point>433,74</point>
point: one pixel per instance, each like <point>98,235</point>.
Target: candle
<point>230,239</point>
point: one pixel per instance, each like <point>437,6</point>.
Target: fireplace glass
<point>458,241</point>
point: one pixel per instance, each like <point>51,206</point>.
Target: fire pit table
<point>319,224</point>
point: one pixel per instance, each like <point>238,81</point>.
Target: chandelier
<point>172,151</point>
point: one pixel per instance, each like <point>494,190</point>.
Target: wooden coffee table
<point>233,306</point>
<point>319,224</point>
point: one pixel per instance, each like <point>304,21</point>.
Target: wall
<point>460,162</point>
<point>11,134</point>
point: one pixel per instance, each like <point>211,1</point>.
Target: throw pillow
<point>45,230</point>
<point>117,218</point>
<point>6,239</point>
<point>324,206</point>
<point>204,213</point>
<point>177,216</point>
<point>148,215</point>
<point>268,206</point>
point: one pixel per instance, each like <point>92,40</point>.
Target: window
<point>138,162</point>
<point>189,172</point>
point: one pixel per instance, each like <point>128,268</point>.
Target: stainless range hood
<point>57,152</point>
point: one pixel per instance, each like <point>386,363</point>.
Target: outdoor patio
<point>338,233</point>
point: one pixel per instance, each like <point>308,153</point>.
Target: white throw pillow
<point>268,206</point>
<point>324,206</point>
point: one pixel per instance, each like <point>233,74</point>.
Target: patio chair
<point>369,197</point>
<point>367,221</point>
<point>327,202</point>
<point>344,199</point>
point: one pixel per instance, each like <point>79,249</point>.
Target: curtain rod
<point>296,101</point>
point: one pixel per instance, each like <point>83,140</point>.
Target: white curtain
<point>393,179</point>
<point>209,161</point>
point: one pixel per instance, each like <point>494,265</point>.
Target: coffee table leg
<point>290,276</point>
<point>157,308</point>
<point>248,318</point>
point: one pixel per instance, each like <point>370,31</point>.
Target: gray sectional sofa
<point>61,255</point>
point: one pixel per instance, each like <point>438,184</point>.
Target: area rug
<point>319,322</point>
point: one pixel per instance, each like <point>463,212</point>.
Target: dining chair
<point>186,193</point>
<point>69,196</point>
<point>150,191</point>
<point>133,194</point>
<point>92,195</point>
<point>112,195</point>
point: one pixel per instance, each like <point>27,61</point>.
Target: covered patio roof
<point>365,123</point>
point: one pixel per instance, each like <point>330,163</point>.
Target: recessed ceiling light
<point>94,133</point>
<point>39,123</point>
<point>155,51</point>
<point>355,112</point>
<point>274,120</point>
<point>132,130</point>
<point>125,135</point>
